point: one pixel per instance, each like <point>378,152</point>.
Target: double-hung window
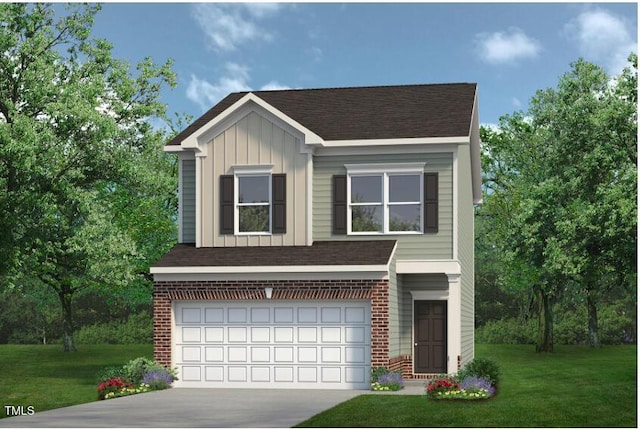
<point>385,199</point>
<point>253,203</point>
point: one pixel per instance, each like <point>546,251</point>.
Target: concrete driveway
<point>193,408</point>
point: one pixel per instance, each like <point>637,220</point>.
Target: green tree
<point>561,181</point>
<point>74,132</point>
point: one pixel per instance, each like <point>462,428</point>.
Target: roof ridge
<point>405,85</point>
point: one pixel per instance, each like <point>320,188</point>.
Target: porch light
<point>268,291</point>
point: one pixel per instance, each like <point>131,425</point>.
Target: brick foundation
<point>404,364</point>
<point>375,290</point>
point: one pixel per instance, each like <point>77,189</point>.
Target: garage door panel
<point>191,334</point>
<point>307,335</point>
<point>283,315</point>
<point>191,354</point>
<point>190,315</point>
<point>214,354</point>
<point>214,335</point>
<point>260,374</point>
<point>214,315</point>
<point>260,315</point>
<point>283,335</point>
<point>237,334</point>
<point>214,373</point>
<point>271,344</point>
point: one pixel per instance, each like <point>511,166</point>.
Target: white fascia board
<point>272,276</point>
<point>272,269</point>
<point>173,148</point>
<point>476,174</point>
<point>193,141</point>
<point>400,141</point>
<point>428,266</point>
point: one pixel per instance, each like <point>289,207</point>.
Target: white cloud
<point>273,86</point>
<point>506,47</point>
<point>602,37</point>
<point>229,25</point>
<point>515,101</point>
<point>234,79</point>
<point>206,94</point>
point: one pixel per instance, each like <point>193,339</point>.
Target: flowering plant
<point>441,385</point>
<point>157,379</point>
<point>390,381</point>
<point>110,388</point>
<point>471,388</point>
<point>382,379</point>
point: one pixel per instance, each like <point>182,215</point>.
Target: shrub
<point>481,368</point>
<point>136,369</point>
<point>157,379</point>
<point>111,372</point>
<point>137,329</point>
<point>377,372</point>
<point>507,331</point>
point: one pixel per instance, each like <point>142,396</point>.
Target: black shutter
<point>226,204</point>
<point>278,203</point>
<point>340,204</point>
<point>430,202</point>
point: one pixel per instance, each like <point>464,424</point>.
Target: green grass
<point>45,377</point>
<point>572,387</point>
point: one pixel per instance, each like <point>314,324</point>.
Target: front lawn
<point>572,387</point>
<point>44,377</point>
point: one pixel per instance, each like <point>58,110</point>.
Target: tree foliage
<point>79,187</point>
<point>561,184</point>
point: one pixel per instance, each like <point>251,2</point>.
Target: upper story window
<point>385,199</point>
<point>253,201</point>
<point>387,202</point>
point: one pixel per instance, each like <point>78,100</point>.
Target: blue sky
<point>510,50</point>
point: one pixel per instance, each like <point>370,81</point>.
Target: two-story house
<point>322,233</point>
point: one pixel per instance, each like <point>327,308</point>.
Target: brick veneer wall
<point>375,290</point>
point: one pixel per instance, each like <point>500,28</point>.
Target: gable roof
<point>375,112</point>
<point>321,253</point>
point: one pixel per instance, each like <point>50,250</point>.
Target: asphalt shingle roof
<point>376,112</point>
<point>361,252</point>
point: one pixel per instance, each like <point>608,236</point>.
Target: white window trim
<point>250,171</point>
<point>384,170</point>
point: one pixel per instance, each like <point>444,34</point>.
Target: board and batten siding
<point>188,200</point>
<point>414,282</point>
<point>254,140</point>
<point>419,246</point>
<point>466,255</point>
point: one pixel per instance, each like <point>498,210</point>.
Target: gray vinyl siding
<point>415,282</point>
<point>466,254</point>
<point>423,246</point>
<point>188,171</point>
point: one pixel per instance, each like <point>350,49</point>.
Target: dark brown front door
<point>430,336</point>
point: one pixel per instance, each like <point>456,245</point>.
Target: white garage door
<point>271,344</point>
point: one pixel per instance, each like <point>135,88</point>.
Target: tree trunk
<point>594,338</point>
<point>544,342</point>
<point>68,345</point>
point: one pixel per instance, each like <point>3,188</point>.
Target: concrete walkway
<point>200,408</point>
